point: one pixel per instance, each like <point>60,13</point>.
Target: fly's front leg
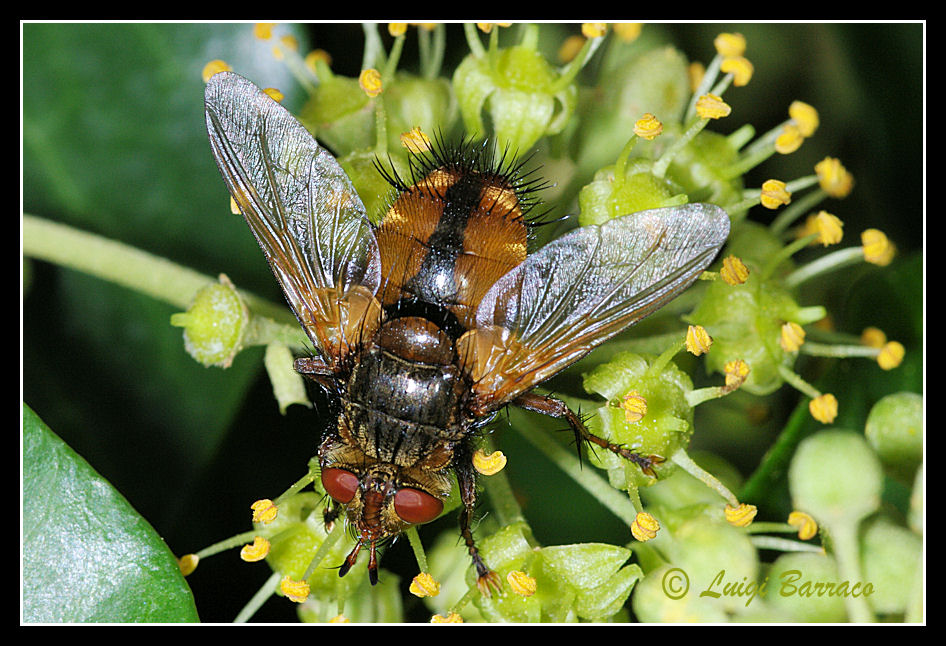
<point>557,408</point>
<point>486,580</point>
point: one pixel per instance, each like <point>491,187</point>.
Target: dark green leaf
<point>87,554</point>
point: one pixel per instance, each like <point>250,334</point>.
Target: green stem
<point>784,545</point>
<point>265,592</point>
<point>775,463</point>
<point>228,544</point>
<point>418,546</point>
<point>500,493</point>
<point>125,265</point>
<point>831,262</point>
<point>473,40</point>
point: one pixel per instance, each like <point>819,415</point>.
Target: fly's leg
<point>330,513</point>
<point>486,580</point>
<point>557,408</point>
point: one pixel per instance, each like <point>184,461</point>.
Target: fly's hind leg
<point>486,579</point>
<point>557,408</point>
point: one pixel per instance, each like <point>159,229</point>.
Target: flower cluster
<point>639,137</point>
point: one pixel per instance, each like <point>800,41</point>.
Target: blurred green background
<point>114,143</point>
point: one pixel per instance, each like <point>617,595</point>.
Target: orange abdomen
<point>448,238</point>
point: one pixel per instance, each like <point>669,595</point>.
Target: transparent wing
<point>583,288</point>
<point>299,203</point>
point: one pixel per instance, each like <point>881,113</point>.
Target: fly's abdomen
<point>447,239</point>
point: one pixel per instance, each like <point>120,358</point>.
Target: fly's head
<point>381,499</point>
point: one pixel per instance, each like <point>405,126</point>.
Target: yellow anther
<point>264,30</point>
<point>730,44</point>
<point>644,527</point>
<point>824,408</point>
<point>648,127</point>
<point>397,28</point>
<point>257,551</point>
<point>489,464</point>
<point>807,526</point>
<point>791,337</point>
<point>740,68</point>
<point>698,340</point>
<point>370,82</point>
<point>484,27</point>
<point>264,511</point>
<point>710,106</point>
<point>873,337</point>
<point>774,194</point>
<point>188,563</point>
<point>452,618</point>
<point>734,271</point>
<point>594,29</point>
<point>833,178</point>
<point>736,372</point>
<point>214,67</point>
<point>570,48</point>
<point>297,591</point>
<point>805,117</point>
<point>234,208</point>
<point>891,355</point>
<point>789,140</point>
<point>415,140</point>
<point>635,407</point>
<point>290,42</point>
<point>339,619</point>
<point>315,56</point>
<point>424,585</point>
<point>274,94</point>
<point>521,583</point>
<point>878,249</point>
<point>829,228</point>
<point>628,31</point>
<point>741,516</point>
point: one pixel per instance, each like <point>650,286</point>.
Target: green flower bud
<point>714,553</point>
<point>517,88</point>
<point>701,165</point>
<point>789,573</point>
<point>341,115</point>
<point>295,535</point>
<point>745,323</point>
<point>664,427</point>
<point>656,599</point>
<point>588,581</point>
<point>895,431</point>
<point>214,324</point>
<point>375,192</point>
<point>655,82</point>
<point>412,102</point>
<point>836,478</point>
<point>604,198</point>
<point>892,560</point>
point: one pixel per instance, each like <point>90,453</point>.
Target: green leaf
<point>87,554</point>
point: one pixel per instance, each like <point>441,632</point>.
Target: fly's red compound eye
<point>415,506</point>
<point>340,484</point>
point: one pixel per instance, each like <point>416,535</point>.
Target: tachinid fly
<point>428,324</point>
